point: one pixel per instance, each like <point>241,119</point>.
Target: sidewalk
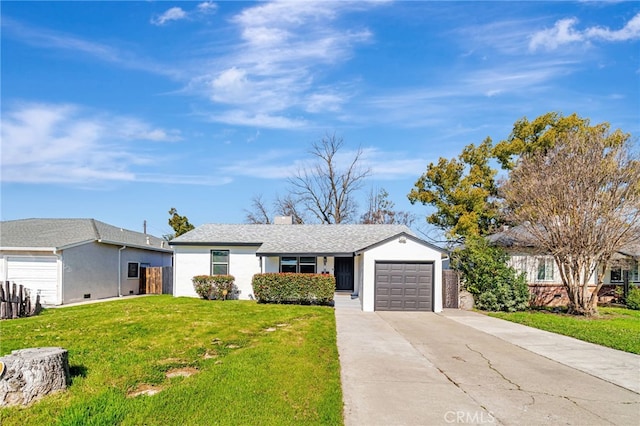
<point>90,302</point>
<point>614,366</point>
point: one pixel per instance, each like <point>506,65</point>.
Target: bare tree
<point>381,210</point>
<point>282,206</point>
<point>289,206</point>
<point>259,213</point>
<point>580,200</point>
<point>326,188</point>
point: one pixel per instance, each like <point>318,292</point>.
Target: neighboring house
<point>71,260</point>
<point>385,266</point>
<point>542,273</point>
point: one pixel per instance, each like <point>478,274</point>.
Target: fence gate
<point>450,288</point>
<point>156,280</point>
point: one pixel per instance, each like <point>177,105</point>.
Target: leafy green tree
<point>463,191</point>
<point>486,274</point>
<point>541,134</point>
<point>180,224</point>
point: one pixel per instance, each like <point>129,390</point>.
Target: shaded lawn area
<point>616,328</point>
<point>252,363</point>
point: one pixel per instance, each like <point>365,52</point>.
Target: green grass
<point>256,364</point>
<point>616,328</point>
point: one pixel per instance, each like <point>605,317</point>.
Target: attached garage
<point>404,286</point>
<point>37,273</point>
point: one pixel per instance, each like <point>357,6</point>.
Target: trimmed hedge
<point>294,288</point>
<point>215,287</point>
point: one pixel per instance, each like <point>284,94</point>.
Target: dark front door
<point>344,273</point>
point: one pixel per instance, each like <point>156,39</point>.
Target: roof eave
<point>138,246</point>
<point>406,235</point>
<point>305,253</point>
<point>51,249</point>
<point>213,243</point>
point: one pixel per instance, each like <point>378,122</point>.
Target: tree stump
<point>30,374</point>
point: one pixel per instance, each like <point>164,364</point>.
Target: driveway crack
<point>505,378</point>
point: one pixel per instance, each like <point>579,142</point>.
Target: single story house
<point>542,273</point>
<point>71,260</point>
<point>385,266</point>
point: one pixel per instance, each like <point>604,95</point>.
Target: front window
<point>616,275</point>
<point>288,264</point>
<point>133,270</point>
<point>308,265</point>
<point>304,264</point>
<point>219,262</point>
<point>545,269</point>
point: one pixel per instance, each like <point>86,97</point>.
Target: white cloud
<point>63,143</point>
<point>244,118</point>
<point>564,32</point>
<point>276,164</point>
<point>48,39</point>
<point>394,165</point>
<point>285,48</point>
<point>630,31</point>
<point>173,14</point>
<point>207,7</point>
<point>271,164</point>
<point>320,102</point>
<point>178,13</point>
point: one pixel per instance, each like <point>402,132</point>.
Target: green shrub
<point>294,288</point>
<point>495,285</point>
<point>633,298</point>
<point>215,287</point>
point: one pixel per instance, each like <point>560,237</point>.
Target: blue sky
<point>119,111</point>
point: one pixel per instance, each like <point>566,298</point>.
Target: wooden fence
<point>156,280</point>
<point>450,288</point>
<point>15,302</point>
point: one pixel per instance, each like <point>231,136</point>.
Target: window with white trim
<point>545,269</point>
<point>616,275</point>
<point>219,262</point>
<point>302,264</point>
<point>133,270</point>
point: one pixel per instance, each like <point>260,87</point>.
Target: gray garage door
<point>404,286</point>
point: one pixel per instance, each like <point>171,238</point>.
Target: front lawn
<point>210,362</point>
<point>616,328</point>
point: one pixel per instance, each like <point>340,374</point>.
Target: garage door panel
<point>411,292</point>
<point>38,274</point>
<point>403,286</point>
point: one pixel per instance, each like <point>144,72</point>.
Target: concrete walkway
<point>410,368</point>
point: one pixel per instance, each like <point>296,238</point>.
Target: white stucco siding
<point>539,269</point>
<point>394,250</point>
<point>358,270</point>
<point>90,269</point>
<point>192,261</point>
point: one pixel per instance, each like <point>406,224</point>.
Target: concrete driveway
<point>428,369</point>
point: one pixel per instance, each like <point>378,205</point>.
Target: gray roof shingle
<point>294,239</point>
<point>61,233</point>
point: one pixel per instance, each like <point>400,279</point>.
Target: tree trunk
<point>30,374</point>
